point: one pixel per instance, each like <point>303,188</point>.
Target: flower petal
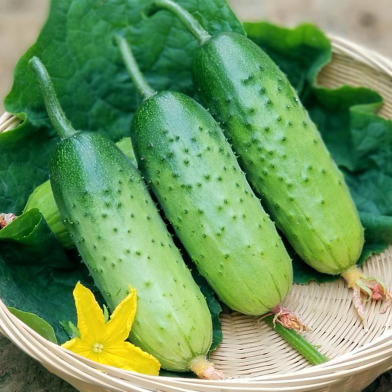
<point>120,324</point>
<point>129,357</point>
<point>91,322</point>
<point>77,346</point>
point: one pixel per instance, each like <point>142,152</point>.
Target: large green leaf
<point>36,323</point>
<point>24,163</point>
<point>359,140</point>
<point>42,290</point>
<point>76,45</point>
<point>36,275</point>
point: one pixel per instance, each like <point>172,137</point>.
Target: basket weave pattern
<point>251,354</point>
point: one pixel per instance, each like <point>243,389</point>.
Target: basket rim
<point>80,368</point>
<point>331,369</point>
<point>361,54</point>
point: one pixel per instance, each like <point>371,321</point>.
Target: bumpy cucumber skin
<point>196,178</point>
<point>42,198</point>
<point>281,151</point>
<point>123,241</point>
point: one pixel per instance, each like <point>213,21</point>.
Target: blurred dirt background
<point>368,23</point>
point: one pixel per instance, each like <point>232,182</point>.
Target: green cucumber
<point>42,198</point>
<point>278,146</point>
<point>196,179</point>
<point>281,151</point>
<point>123,241</point>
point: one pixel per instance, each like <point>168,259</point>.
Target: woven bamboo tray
<point>253,356</point>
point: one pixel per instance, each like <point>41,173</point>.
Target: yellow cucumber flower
<point>105,342</point>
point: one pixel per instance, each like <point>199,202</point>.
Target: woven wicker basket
<point>253,356</point>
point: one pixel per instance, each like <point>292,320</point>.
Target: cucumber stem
<point>288,319</point>
<point>185,17</point>
<point>297,342</point>
<point>205,369</point>
<point>55,112</point>
<point>371,287</point>
<point>134,71</point>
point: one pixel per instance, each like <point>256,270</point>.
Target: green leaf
<point>29,239</point>
<point>334,112</point>
<point>42,290</point>
<point>105,313</point>
<point>24,162</point>
<point>36,323</point>
<point>36,275</point>
<point>358,139</point>
<point>76,45</point>
<point>70,329</point>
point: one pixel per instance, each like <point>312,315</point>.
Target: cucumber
<point>196,179</point>
<point>42,198</point>
<point>282,152</point>
<point>123,241</point>
<point>278,146</point>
